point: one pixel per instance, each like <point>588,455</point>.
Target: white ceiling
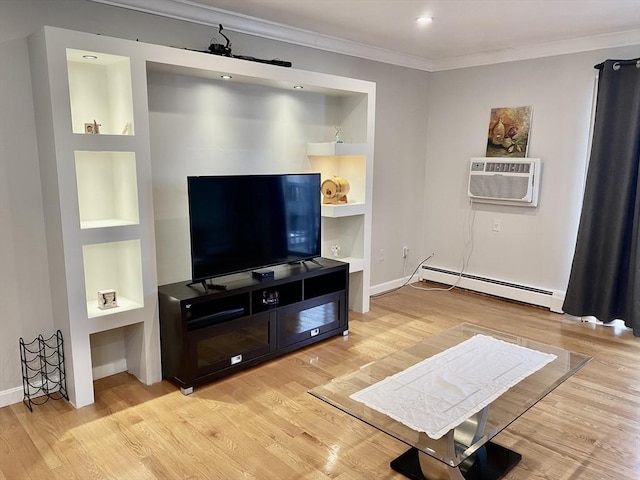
<point>463,32</point>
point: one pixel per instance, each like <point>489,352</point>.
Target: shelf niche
<point>348,234</point>
<point>107,189</point>
<point>117,266</point>
<point>344,160</point>
<point>100,91</point>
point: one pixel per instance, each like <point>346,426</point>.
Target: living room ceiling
<point>462,32</point>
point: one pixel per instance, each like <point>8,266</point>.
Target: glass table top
<point>494,418</point>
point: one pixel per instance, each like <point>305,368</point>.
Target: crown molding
<point>564,47</point>
<point>205,15</point>
<point>189,11</point>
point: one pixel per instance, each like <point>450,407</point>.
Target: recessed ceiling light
<point>90,57</point>
<point>424,20</point>
<point>226,77</point>
<point>298,87</point>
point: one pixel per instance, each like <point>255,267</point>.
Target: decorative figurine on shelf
<point>107,299</point>
<point>338,133</point>
<point>334,190</point>
<point>336,250</point>
<point>270,298</point>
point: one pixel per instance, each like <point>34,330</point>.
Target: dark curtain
<point>605,275</point>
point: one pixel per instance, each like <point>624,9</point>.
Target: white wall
<point>204,127</point>
<point>25,302</point>
<point>25,298</point>
<point>535,245</point>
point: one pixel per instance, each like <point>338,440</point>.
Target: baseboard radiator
<point>513,291</point>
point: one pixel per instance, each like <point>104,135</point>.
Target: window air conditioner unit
<point>505,181</point>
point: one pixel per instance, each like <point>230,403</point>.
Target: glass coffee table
<point>465,451</point>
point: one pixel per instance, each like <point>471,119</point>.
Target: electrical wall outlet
<point>381,255</point>
<point>405,251</point>
<point>497,226</point>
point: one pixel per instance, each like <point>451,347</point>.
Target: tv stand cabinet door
<point>229,345</point>
<point>312,320</point>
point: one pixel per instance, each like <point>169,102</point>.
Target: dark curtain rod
<point>619,63</point>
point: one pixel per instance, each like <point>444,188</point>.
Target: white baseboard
<point>11,396</point>
<point>16,394</point>
<point>393,284</point>
<point>557,299</point>
<point>109,369</point>
<point>534,296</point>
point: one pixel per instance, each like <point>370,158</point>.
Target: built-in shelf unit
<point>98,188</point>
<point>96,182</point>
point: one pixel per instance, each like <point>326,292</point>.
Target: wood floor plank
<point>10,461</point>
<point>262,424</point>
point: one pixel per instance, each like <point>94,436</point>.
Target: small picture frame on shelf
<point>107,299</point>
<point>92,128</point>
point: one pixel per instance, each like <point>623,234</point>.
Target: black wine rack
<point>43,374</point>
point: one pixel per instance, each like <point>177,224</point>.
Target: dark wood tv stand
<point>206,334</point>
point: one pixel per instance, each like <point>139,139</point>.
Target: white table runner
<point>442,391</point>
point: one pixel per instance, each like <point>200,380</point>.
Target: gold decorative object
<point>334,190</point>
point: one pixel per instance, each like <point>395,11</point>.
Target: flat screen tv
<point>246,222</point>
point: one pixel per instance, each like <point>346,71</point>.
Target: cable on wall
<point>467,251</point>
<point>404,275</point>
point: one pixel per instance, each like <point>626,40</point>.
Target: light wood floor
<point>262,423</point>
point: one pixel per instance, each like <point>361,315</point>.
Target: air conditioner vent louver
<point>497,186</point>
<point>504,181</point>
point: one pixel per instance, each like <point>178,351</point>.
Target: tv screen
<point>245,222</point>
